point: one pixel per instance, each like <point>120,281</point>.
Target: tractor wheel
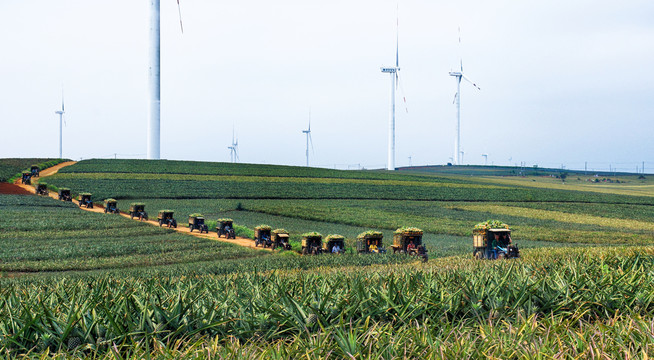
<point>305,251</point>
<point>90,205</point>
<point>105,210</point>
<point>256,243</point>
<point>160,223</point>
<point>175,224</point>
<point>191,228</point>
<point>501,256</point>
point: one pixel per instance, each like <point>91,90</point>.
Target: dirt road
<point>29,189</point>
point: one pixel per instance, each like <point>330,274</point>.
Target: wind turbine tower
<point>395,79</point>
<point>309,140</point>
<point>61,120</point>
<point>485,159</point>
<point>233,149</point>
<point>154,77</point>
<point>457,100</point>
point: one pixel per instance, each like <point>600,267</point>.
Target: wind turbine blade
<point>402,91</point>
<point>455,96</point>
<point>397,37</point>
<point>470,81</point>
<point>311,142</point>
<point>179,10</point>
<point>460,56</point>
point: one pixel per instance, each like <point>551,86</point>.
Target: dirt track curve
<point>30,189</point>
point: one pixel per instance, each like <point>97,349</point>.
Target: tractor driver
<point>411,247</point>
<point>496,245</point>
<point>373,247</point>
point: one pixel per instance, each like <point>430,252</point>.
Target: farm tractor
<point>225,228</point>
<point>111,206</point>
<point>408,240</point>
<point>64,194</point>
<point>84,200</point>
<point>26,178</point>
<point>35,170</point>
<point>137,210</point>
<point>334,244</point>
<point>492,240</point>
<point>196,222</point>
<point>280,238</point>
<point>311,243</point>
<point>370,242</point>
<point>262,236</point>
<point>165,217</point>
<point>42,189</point>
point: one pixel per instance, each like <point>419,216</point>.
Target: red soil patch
<point>11,189</point>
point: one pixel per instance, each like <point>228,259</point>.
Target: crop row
<point>11,168</point>
<point>214,168</point>
<point>104,313</point>
<point>43,234</point>
<point>453,218</point>
<point>262,189</point>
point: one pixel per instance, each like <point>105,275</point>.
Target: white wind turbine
<point>309,140</point>
<point>61,120</point>
<point>395,80</point>
<point>233,149</point>
<point>457,99</point>
<point>154,76</point>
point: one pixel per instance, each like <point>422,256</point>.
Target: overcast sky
<point>562,82</point>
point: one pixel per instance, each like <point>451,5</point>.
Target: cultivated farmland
<point>84,284</point>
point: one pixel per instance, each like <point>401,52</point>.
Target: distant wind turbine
<point>395,81</point>
<point>485,156</point>
<point>457,99</point>
<point>309,140</point>
<point>154,76</point>
<point>61,120</point>
<point>233,149</point>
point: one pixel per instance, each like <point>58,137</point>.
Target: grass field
<point>78,284</point>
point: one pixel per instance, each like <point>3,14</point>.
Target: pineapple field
<point>77,284</point>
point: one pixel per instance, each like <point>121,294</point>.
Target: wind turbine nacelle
<point>455,73</point>
<point>389,70</point>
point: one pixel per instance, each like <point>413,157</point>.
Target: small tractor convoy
<point>111,206</point>
<point>262,236</point>
<point>196,222</point>
<point>42,189</point>
<point>225,227</point>
<point>64,194</point>
<point>35,170</point>
<point>334,244</point>
<point>408,240</point>
<point>137,210</point>
<point>280,239</point>
<point>492,240</point>
<point>26,178</point>
<point>165,217</point>
<point>84,200</point>
<point>311,243</point>
<point>370,242</point>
